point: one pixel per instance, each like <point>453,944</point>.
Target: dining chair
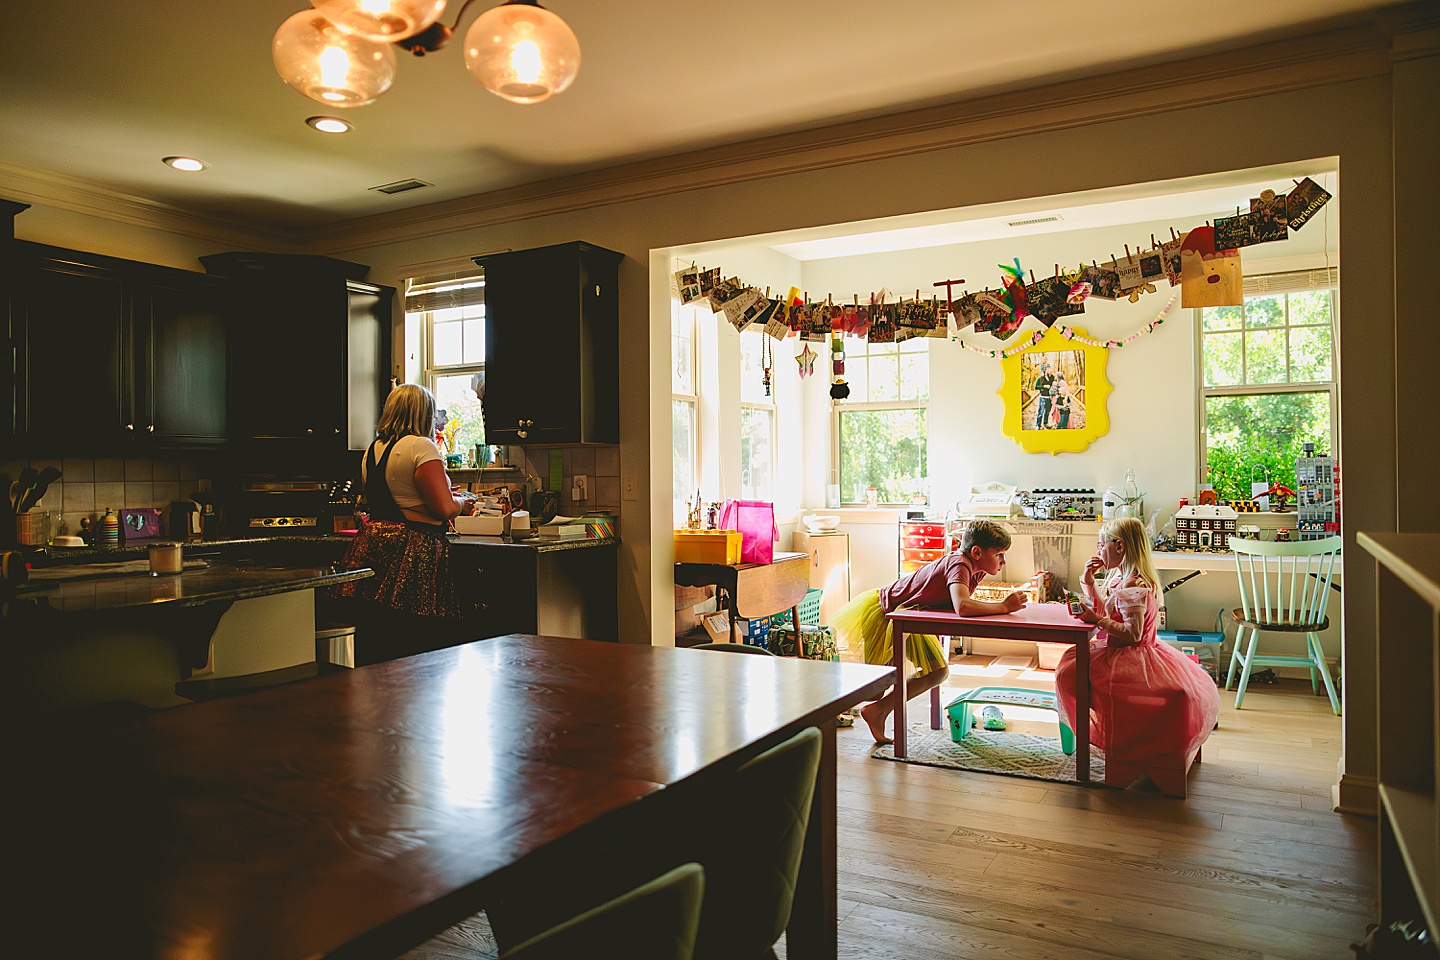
<point>733,648</point>
<point>754,859</point>
<point>1284,588</point>
<point>655,921</point>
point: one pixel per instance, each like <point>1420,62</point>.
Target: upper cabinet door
<point>184,338</point>
<point>72,385</point>
<point>552,345</point>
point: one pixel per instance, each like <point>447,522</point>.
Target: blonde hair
<point>409,411</point>
<point>1136,544</point>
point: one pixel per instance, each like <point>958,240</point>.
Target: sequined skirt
<point>412,570</point>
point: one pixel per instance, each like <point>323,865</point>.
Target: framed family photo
<point>1055,394</point>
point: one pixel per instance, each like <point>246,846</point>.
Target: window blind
<point>1292,282</point>
<point>441,293</point>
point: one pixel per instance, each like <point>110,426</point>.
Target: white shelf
<point>1412,818</point>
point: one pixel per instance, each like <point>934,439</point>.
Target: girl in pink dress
<point>1150,707</point>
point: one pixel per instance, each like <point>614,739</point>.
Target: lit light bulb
<point>525,62</point>
<point>329,65</point>
<point>383,20</point>
<point>522,52</point>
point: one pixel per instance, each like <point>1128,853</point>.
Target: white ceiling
<point>97,91</point>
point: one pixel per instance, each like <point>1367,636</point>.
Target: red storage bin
<point>914,542</point>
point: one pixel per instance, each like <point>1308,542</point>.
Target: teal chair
<point>655,921</point>
<point>1284,588</point>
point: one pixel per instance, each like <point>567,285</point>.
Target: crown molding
<point>80,196</point>
<point>1332,56</point>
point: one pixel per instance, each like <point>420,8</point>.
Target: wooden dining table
<point>1047,622</point>
<point>361,813</point>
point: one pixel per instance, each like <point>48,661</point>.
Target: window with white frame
<point>1267,375</point>
<point>452,323</point>
<point>684,404</point>
<point>879,433</point>
<point>757,418</point>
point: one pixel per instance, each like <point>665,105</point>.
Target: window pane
<point>682,427</point>
<point>1223,362</point>
<point>1266,430</point>
<point>449,345</point>
<point>915,376</point>
<point>447,314</point>
<point>1220,318</point>
<point>474,337</point>
<point>1264,311</point>
<point>1309,354</point>
<point>682,328</point>
<point>456,402</point>
<point>757,429</point>
<point>1265,356</point>
<point>1313,306</point>
<point>884,449</point>
<point>884,379</point>
<point>857,374</point>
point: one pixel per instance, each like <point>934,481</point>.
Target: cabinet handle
<point>309,430</point>
<point>129,426</point>
<point>521,434</point>
<point>337,431</point>
<point>150,428</point>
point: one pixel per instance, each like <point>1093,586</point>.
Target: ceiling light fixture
<point>188,164</point>
<point>329,124</point>
<point>341,52</point>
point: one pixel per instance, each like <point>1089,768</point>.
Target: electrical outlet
<point>580,488</point>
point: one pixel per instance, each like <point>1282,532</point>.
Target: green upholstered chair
<point>733,648</point>
<point>754,860</point>
<point>655,921</point>
<point>1284,588</point>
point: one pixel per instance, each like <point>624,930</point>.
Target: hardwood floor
<point>943,865</point>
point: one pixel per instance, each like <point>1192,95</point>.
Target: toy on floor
<point>992,719</point>
<point>961,710</point>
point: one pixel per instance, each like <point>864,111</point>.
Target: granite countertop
<point>139,549</point>
<point>116,586</point>
<point>533,544</point>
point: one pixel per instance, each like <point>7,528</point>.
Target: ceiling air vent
<point>400,186</point>
<point>1052,218</point>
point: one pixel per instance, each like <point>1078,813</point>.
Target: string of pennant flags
<point>1203,262</point>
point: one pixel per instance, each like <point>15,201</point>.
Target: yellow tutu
<point>863,622</point>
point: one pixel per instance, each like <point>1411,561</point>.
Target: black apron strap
<point>377,492</point>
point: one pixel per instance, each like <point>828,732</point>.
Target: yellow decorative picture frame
<point>1066,413</point>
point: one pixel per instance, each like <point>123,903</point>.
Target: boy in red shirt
<point>947,582</point>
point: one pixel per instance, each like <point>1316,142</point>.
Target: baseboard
<point>1356,795</point>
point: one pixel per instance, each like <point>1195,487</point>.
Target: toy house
<point>1204,527</point>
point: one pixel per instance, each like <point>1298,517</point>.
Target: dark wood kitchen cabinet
<point>114,356</point>
<point>552,345</point>
<point>311,356</point>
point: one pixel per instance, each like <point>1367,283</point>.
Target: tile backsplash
<point>601,465</point>
<point>87,487</point>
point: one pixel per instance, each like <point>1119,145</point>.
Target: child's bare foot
<point>874,714</point>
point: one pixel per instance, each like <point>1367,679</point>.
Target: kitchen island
<point>558,588</point>
<point>90,634</point>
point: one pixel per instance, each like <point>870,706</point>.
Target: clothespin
<point>1153,244</point>
<point>1032,278</point>
<point>1128,258</point>
<point>1173,234</point>
<point>1057,271</point>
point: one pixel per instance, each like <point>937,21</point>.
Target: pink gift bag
<point>755,519</point>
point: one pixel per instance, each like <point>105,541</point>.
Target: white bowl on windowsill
<point>820,523</point>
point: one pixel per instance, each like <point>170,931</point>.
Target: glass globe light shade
<point>329,65</point>
<point>383,20</point>
<point>522,52</point>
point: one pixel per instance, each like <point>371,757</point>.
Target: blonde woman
<point>1149,705</point>
<point>405,607</point>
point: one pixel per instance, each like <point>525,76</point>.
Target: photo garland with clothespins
<point>1203,262</point>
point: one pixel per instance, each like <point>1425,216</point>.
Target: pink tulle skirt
<point>1149,704</point>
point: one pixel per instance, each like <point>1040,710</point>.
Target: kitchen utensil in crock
<point>46,477</point>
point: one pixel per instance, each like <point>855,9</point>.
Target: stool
<point>961,715</point>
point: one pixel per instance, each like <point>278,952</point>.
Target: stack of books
<point>562,528</point>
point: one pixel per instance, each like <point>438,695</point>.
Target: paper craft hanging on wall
<point>687,285</point>
<point>1272,216</point>
<point>1049,300</point>
<point>1170,259</point>
<point>1104,283</point>
<point>1075,413</point>
<point>1209,277</point>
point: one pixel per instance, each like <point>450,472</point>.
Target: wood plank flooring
<point>946,865</point>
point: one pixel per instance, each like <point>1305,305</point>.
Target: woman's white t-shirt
<point>410,453</point>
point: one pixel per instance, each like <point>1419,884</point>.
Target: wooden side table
<point>754,590</point>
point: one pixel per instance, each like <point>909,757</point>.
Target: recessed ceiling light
<point>188,164</point>
<point>329,124</point>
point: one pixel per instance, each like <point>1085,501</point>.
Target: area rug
<point>990,751</point>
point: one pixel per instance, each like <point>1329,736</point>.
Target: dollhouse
<point>1204,527</point>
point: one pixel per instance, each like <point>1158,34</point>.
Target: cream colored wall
<point>1351,120</point>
